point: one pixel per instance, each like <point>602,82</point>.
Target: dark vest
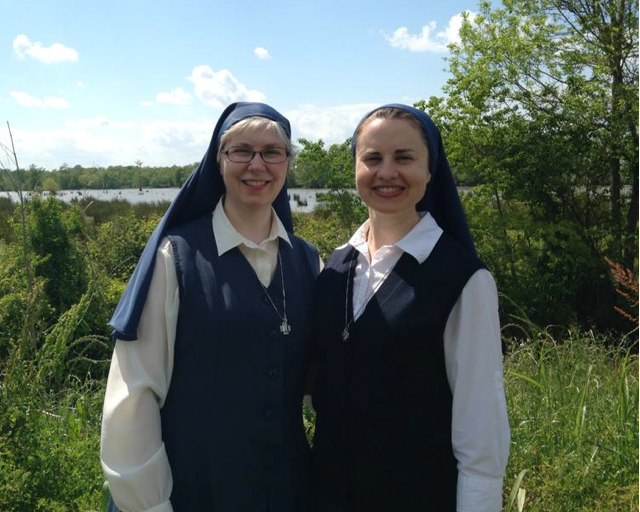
<point>383,402</point>
<point>232,421</point>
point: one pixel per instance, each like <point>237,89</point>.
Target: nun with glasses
<point>411,412</point>
<point>204,395</point>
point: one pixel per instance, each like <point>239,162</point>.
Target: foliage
<point>59,261</point>
<point>337,215</point>
<point>6,211</point>
<point>118,244</point>
<point>627,288</point>
<point>541,110</point>
<point>317,167</point>
<point>79,177</point>
<point>573,404</point>
<point>48,442</point>
<point>541,267</point>
<point>573,410</point>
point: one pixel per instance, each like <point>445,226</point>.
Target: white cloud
<point>24,99</point>
<point>219,88</point>
<point>57,52</point>
<point>262,53</point>
<point>80,85</point>
<point>145,103</point>
<point>331,124</point>
<point>98,121</point>
<point>101,141</point>
<point>176,96</point>
<point>452,33</point>
<point>426,41</point>
<point>178,134</point>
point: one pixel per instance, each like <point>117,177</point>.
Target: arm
<point>132,452</point>
<point>480,428</point>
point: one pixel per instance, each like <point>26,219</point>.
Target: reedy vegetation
<point>573,400</point>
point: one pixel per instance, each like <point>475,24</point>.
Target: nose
<point>387,169</point>
<point>256,162</point>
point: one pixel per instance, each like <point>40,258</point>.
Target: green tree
<point>542,109</point>
<point>52,233</point>
<point>567,69</point>
<point>318,167</point>
<point>50,185</point>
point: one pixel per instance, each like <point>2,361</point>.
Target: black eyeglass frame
<point>227,152</point>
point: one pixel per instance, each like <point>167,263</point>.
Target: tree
<point>542,109</point>
<point>317,167</point>
<point>568,68</point>
<point>58,260</point>
<point>50,185</point>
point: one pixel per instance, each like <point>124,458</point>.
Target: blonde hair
<point>254,123</point>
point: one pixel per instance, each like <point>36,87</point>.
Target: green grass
<point>573,408</point>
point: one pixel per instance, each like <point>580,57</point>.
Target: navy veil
<point>199,195</point>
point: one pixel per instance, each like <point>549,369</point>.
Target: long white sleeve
<point>132,452</point>
<point>480,429</point>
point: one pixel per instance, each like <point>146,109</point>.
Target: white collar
<point>228,237</point>
<point>419,242</point>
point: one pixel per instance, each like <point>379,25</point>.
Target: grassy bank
<point>573,407</point>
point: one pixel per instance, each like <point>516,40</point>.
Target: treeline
<point>80,178</point>
<point>314,166</point>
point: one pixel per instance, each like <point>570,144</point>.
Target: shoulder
<point>195,225</point>
<point>302,246</point>
<point>451,254</point>
<point>339,256</point>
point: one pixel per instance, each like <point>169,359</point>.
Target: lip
<point>388,192</point>
<point>256,185</point>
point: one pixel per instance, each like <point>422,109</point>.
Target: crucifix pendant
<point>285,328</point>
<point>345,333</point>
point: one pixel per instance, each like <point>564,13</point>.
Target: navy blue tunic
<point>232,419</point>
<point>383,402</point>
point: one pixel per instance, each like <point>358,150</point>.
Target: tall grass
<point>573,409</point>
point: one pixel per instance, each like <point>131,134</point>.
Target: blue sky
<point>111,82</point>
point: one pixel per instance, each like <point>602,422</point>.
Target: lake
<point>300,199</point>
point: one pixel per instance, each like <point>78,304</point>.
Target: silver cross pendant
<point>285,328</point>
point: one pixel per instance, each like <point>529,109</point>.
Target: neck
<point>388,229</point>
<point>253,224</point>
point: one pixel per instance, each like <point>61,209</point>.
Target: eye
<point>241,152</point>
<point>273,153</point>
<point>404,158</point>
<point>371,159</point>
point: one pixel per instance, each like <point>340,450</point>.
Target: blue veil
<point>441,198</point>
<point>198,196</point>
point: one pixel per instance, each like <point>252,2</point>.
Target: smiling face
<point>392,166</point>
<point>252,186</point>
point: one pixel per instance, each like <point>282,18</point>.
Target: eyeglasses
<point>242,155</point>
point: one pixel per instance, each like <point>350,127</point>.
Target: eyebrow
<point>369,152</point>
<point>245,144</point>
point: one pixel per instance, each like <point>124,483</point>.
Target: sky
<point>116,82</point>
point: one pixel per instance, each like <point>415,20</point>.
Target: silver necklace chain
<point>347,324</point>
<point>285,328</point>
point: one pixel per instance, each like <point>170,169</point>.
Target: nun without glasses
<point>203,401</point>
<point>411,412</point>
